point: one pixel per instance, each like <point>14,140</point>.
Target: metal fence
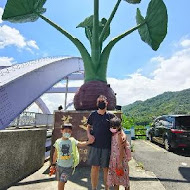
<point>137,133</point>
<point>33,119</point>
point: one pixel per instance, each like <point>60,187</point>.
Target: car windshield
<point>183,122</point>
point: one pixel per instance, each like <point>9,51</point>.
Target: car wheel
<point>167,145</point>
<point>150,137</point>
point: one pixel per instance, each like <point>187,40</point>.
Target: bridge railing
<point>32,119</point>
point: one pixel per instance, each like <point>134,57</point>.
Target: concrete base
<point>22,152</point>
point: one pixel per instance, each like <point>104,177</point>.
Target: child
<point>118,172</point>
<point>66,156</point>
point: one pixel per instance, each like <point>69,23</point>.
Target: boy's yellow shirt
<point>67,152</point>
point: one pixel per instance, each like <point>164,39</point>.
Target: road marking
<point>153,146</point>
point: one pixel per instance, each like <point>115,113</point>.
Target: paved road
<point>172,169</point>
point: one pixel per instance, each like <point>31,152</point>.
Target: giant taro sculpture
<point>152,29</point>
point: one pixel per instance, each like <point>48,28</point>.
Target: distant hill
<point>143,112</point>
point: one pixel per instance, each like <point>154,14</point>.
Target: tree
<point>152,29</point>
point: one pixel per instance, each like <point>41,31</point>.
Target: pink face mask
<point>113,130</point>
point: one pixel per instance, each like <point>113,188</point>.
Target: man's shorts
<point>99,157</point>
<point>63,174</point>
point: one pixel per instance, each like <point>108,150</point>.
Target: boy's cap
<point>66,125</point>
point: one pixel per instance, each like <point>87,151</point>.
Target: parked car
<point>173,131</point>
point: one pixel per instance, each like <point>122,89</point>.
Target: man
<point>99,130</point>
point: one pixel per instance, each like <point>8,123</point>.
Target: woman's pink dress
<point>113,178</point>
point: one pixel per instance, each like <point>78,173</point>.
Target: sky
<point>135,71</point>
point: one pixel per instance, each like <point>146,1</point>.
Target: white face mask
<point>66,135</point>
<point>113,130</point>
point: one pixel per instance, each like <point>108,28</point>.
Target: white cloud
<point>11,36</point>
<point>34,108</point>
<point>156,59</point>
<point>185,43</point>
<point>33,44</point>
<point>1,13</point>
<point>171,74</point>
<point>54,100</point>
<point>129,90</point>
<point>6,61</point>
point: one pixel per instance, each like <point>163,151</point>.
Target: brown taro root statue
<point>152,29</point>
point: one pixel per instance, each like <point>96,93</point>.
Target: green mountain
<point>144,112</point>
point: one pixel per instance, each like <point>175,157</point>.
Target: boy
<point>65,154</point>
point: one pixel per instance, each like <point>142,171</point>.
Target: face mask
<point>101,105</point>
<point>113,130</point>
<point>66,135</point>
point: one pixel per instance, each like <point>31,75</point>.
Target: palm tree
<point>152,29</point>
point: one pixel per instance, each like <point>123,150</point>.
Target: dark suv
<point>173,131</point>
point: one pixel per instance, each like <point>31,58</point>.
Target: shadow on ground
<point>33,182</point>
<point>80,180</point>
<point>185,172</point>
<point>82,177</point>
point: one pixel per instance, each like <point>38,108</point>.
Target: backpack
<point>75,153</point>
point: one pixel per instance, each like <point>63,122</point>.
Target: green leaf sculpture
<point>23,10</point>
<point>133,1</point>
<point>152,29</point>
<point>88,25</point>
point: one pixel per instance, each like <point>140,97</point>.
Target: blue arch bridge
<point>23,84</point>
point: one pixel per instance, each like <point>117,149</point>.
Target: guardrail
<point>32,119</point>
<point>137,133</point>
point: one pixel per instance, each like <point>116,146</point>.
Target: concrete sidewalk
<point>40,180</point>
